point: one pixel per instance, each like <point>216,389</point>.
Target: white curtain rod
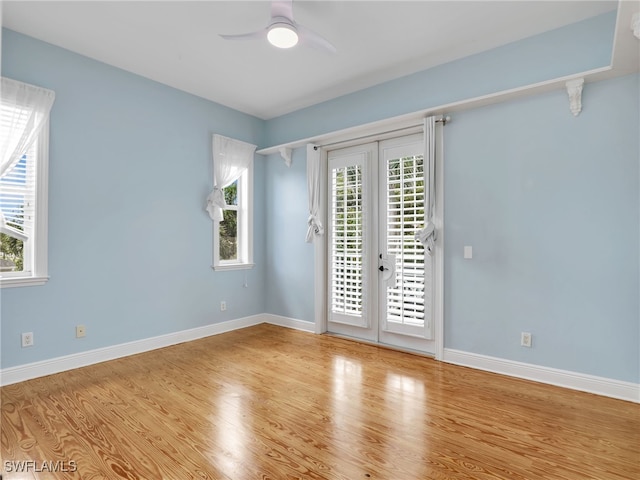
<point>443,120</point>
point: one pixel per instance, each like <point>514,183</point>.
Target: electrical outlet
<point>81,331</point>
<point>223,306</point>
<point>27,339</point>
<point>525,339</point>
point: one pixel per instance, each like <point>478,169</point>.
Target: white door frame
<point>320,249</point>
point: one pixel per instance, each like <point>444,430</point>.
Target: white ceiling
<point>177,43</point>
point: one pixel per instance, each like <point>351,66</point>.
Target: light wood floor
<point>272,403</point>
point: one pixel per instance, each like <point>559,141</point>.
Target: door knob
<point>388,269</point>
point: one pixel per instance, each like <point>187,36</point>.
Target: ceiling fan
<point>283,31</point>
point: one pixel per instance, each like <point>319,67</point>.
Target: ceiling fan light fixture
<point>282,35</point>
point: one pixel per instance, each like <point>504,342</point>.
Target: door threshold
<point>382,345</point>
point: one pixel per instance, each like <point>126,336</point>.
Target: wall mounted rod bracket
<point>574,90</point>
<point>285,153</point>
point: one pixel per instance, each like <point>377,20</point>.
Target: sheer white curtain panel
<point>427,235</point>
<point>315,228</point>
<point>230,159</point>
<point>25,109</point>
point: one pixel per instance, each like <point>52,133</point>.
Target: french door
<point>380,280</point>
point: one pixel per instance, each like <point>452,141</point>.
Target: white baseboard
<point>563,378</point>
<point>77,360</point>
<point>289,322</point>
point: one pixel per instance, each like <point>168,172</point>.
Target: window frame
<point>38,274</point>
<point>245,227</point>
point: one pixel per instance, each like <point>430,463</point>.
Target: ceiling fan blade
<point>311,38</point>
<point>282,8</point>
<point>282,13</point>
<point>247,36</point>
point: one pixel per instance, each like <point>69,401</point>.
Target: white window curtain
<point>427,236</point>
<point>315,228</point>
<point>230,158</point>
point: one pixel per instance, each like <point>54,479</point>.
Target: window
<point>233,236</point>
<point>24,127</point>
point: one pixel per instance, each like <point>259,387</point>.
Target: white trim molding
<point>563,378</point>
<point>233,266</point>
<point>287,322</point>
<point>12,282</point>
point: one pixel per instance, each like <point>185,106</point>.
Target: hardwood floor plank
<point>272,403</point>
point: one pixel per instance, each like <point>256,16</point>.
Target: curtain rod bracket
<point>574,90</point>
<point>443,120</point>
<point>285,153</point>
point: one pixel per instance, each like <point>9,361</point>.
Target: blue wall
<point>130,244</point>
<point>548,201</point>
<point>550,204</point>
<point>289,289</point>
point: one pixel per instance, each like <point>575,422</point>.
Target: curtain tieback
<point>427,237</point>
<point>315,227</point>
<point>216,202</point>
<point>216,197</point>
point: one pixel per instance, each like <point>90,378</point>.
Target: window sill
<point>11,282</point>
<point>233,266</point>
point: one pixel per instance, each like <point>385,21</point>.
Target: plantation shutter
<point>349,224</point>
<point>405,212</point>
